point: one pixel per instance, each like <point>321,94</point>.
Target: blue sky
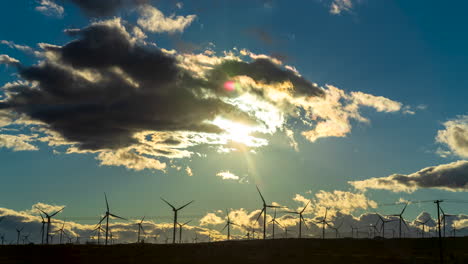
<point>410,52</point>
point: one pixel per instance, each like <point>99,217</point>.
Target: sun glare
<point>237,132</point>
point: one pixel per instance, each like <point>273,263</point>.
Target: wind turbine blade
<point>404,208</point>
<point>260,214</point>
<point>292,212</point>
<point>224,227</point>
<point>187,222</point>
<point>102,220</point>
<point>41,217</point>
<point>113,215</point>
<point>305,207</point>
<point>180,208</point>
<point>143,230</point>
<point>305,224</point>
<point>326,211</point>
<point>57,212</point>
<point>107,204</point>
<point>43,212</point>
<point>142,220</point>
<point>261,196</point>
<point>168,203</point>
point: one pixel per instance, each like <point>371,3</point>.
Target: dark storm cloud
<point>104,7</point>
<point>451,177</point>
<point>266,71</point>
<point>102,88</point>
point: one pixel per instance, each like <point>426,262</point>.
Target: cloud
<point>17,142</point>
<point>455,137</point>
<point>153,20</point>
<point>99,8</point>
<point>226,175</point>
<point>5,59</point>
<point>339,6</point>
<point>111,93</point>
<point>189,171</point>
<point>211,219</point>
<point>450,177</point>
<point>49,8</point>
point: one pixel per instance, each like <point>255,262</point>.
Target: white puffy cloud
<point>153,20</point>
<point>226,175</point>
<point>455,137</point>
<point>17,142</point>
<point>49,8</point>
<point>5,59</point>
<point>450,177</point>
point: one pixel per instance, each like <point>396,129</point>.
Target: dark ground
<point>254,251</point>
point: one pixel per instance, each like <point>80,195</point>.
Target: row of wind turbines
<point>46,236</point>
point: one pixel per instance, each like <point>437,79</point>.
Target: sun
<point>237,132</point>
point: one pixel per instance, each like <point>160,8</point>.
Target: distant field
<point>254,251</point>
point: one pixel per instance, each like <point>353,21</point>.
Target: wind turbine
<point>195,239</point>
<point>180,230</point>
<point>444,216</point>
<point>175,210</point>
<point>228,225</point>
<point>140,228</point>
<point>301,218</point>
<point>26,238</point>
<point>383,220</point>
<point>400,216</point>
<point>48,221</point>
<point>2,237</point>
<point>423,225</point>
<point>106,217</point>
<point>264,212</point>
<point>42,228</point>
<point>336,229</point>
<point>274,221</point>
<point>18,231</point>
<point>324,222</point>
<point>286,230</point>
<point>352,231</point>
<point>98,229</point>
<point>61,230</point>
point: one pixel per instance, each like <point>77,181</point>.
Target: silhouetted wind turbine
<point>324,222</point>
<point>140,228</point>
<point>180,230</point>
<point>336,229</point>
<point>352,231</point>
<point>2,237</point>
<point>228,225</point>
<point>301,218</point>
<point>106,217</point>
<point>383,220</point>
<point>26,238</point>
<point>264,212</point>
<point>48,221</point>
<point>42,228</point>
<point>444,216</point>
<point>400,216</point>
<point>98,229</point>
<point>423,225</point>
<point>175,210</point>
<point>18,231</point>
<point>274,221</point>
<point>61,230</point>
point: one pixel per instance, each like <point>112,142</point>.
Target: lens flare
<point>229,86</point>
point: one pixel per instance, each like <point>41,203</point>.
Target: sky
<point>355,105</point>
